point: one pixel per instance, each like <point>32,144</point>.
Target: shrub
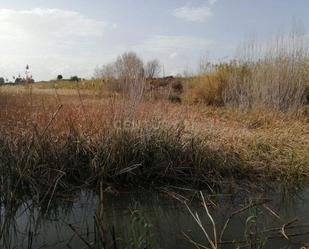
<point>177,87</point>
<point>127,71</point>
<point>74,78</point>
<point>208,89</point>
<point>274,75</point>
<point>20,80</point>
<point>152,69</point>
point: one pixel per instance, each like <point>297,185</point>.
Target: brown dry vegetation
<point>62,134</point>
<point>246,119</point>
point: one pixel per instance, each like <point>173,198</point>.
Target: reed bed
<point>77,140</point>
<point>272,75</point>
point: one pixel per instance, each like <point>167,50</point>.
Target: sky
<point>73,37</point>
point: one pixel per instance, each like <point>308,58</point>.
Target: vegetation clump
<point>85,140</point>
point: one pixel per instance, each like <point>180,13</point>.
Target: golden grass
<point>228,142</point>
<point>66,84</point>
<point>206,89</point>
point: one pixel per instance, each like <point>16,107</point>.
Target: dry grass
<point>275,74</point>
<point>206,89</point>
<point>81,138</point>
<point>67,84</point>
<point>272,75</point>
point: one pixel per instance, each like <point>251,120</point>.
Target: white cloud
<point>193,14</point>
<point>173,55</point>
<point>175,52</point>
<point>212,2</point>
<point>48,24</point>
<point>43,37</point>
<point>174,44</point>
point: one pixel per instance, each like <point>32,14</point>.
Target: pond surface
<point>149,219</point>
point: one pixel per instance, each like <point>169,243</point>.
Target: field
<point>80,134</point>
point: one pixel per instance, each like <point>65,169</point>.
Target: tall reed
<point>273,75</point>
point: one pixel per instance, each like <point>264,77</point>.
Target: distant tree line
<point>27,78</point>
<point>72,78</point>
<point>16,80</point>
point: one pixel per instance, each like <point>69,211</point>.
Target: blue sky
<point>72,37</point>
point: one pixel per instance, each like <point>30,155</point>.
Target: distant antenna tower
<point>27,72</point>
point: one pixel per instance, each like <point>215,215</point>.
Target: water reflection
<point>128,217</point>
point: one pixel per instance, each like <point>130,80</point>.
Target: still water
<point>157,216</point>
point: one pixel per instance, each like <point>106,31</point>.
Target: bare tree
<point>152,69</point>
<point>107,71</point>
<point>126,75</point>
<point>129,67</point>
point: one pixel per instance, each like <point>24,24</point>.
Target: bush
<point>274,75</point>
<point>152,69</point>
<point>207,91</point>
<point>208,88</point>
<point>128,70</point>
<point>20,80</point>
<point>177,87</point>
<point>75,78</point>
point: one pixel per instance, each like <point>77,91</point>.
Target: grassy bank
<point>62,141</point>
